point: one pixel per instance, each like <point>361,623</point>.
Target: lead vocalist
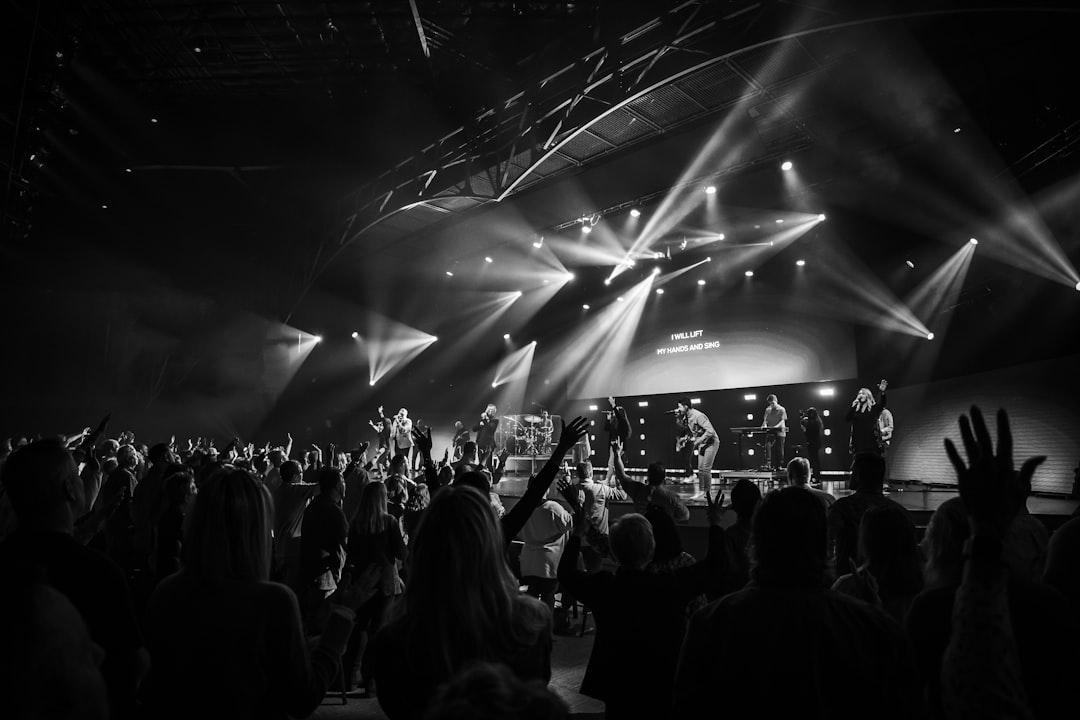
<point>706,441</point>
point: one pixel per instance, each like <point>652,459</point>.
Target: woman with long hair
<point>461,606</point>
<point>812,427</point>
<point>375,540</point>
<point>224,640</point>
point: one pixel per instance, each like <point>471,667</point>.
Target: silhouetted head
<point>788,539</point>
<point>745,497</point>
<point>655,474</point>
<point>632,541</point>
<point>229,535</point>
<point>798,471</point>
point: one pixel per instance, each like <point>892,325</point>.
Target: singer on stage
<point>617,425</point>
<point>401,432</point>
<point>706,441</point>
<point>485,430</point>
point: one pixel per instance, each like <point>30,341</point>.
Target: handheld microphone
<point>670,412</point>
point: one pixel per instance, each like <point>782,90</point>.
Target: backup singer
<point>706,441</point>
<point>617,425</point>
<point>485,430</point>
<point>775,417</point>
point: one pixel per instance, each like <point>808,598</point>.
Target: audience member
<point>1026,544</point>
<point>787,613</point>
<point>651,493</point>
<point>167,538</point>
<point>640,616</point>
<point>594,497</point>
<point>868,477</point>
<point>290,501</point>
<point>745,497</point>
<point>544,537</point>
<point>493,692</point>
<point>890,572</point>
<point>461,605</point>
<point>225,641</point>
<point>46,494</point>
<point>798,475</point>
<point>323,533</point>
<point>1063,563</point>
<point>669,556</point>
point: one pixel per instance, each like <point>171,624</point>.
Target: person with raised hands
<point>640,616</point>
<point>986,670</point>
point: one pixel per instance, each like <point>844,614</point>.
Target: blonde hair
<point>372,517</point>
<point>462,600</point>
<point>229,535</point>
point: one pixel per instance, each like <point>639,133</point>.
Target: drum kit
<point>529,435</point>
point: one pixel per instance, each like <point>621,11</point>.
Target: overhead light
<point>821,216</point>
<point>153,120</point>
<point>586,229</point>
<point>656,271</point>
<point>449,274</point>
<point>800,263</point>
<point>786,165</point>
<point>371,382</point>
<point>827,392</point>
<point>506,336</point>
<point>643,403</point>
<point>710,190</point>
<point>700,282</point>
<point>104,207</point>
<point>488,259</point>
<point>749,397</point>
<point>956,130</point>
<point>909,264</point>
<point>825,413</point>
<point>619,298</point>
<point>828,451</point>
<point>127,170</point>
<point>607,281</point>
<point>659,291</point>
<point>779,221</point>
<point>635,213</point>
<point>695,401</point>
<point>569,276</point>
<point>720,236</point>
<point>708,259</point>
<point>973,241</point>
<point>749,273</point>
<point>538,244</point>
<point>198,49</point>
<point>355,334</point>
<point>494,384</point>
<point>318,338</point>
<point>517,293</point>
<point>929,336</point>
<point>585,306</point>
<point>1078,287</point>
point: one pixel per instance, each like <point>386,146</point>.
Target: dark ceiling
<point>276,157</point>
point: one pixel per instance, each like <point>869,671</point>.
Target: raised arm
<point>514,520</point>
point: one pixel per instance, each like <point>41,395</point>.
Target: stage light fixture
<point>786,165</point>
<point>586,229</point>
<point>749,397</point>
<point>570,277</point>
<point>449,274</point>
<point>538,244</point>
<point>153,120</point>
<point>750,451</point>
<point>643,403</point>
<point>695,401</point>
<point>929,336</point>
<point>198,49</point>
<point>721,236</point>
<point>619,298</point>
<point>656,271</point>
<point>828,432</point>
<point>355,335</point>
<point>821,216</point>
<point>607,281</point>
<point>127,170</point>
<point>371,382</point>
<point>800,263</point>
<point>585,306</point>
<point>750,416</point>
<point>104,207</point>
<point>708,259</point>
<point>659,291</point>
<point>488,260</point>
<point>494,384</point>
<point>909,264</point>
<point>710,190</point>
<point>317,338</point>
<point>973,241</point>
<point>779,221</point>
<point>1078,287</point>
<point>828,451</point>
<point>593,408</point>
<point>827,392</point>
<point>635,213</point>
<point>506,336</point>
<point>825,413</point>
<point>956,130</point>
<point>749,273</point>
<point>700,282</point>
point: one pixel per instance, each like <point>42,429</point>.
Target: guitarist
<point>684,450</point>
<point>705,441</point>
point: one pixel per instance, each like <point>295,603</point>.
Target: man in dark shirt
<point>323,534</point>
<point>868,476</point>
<point>46,495</point>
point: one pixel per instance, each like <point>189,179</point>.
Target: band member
<point>461,436</point>
<point>885,433</point>
<point>775,417</point>
<point>401,431</point>
<point>617,425</point>
<point>684,445</point>
<point>812,427</point>
<point>706,442</point>
<point>382,427</point>
<point>485,430</point>
<point>547,431</point>
<point>863,415</point>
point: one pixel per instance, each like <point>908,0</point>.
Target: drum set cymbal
<point>531,419</point>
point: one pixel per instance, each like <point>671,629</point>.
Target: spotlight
<point>710,190</point>
<point>821,216</point>
<point>827,392</point>
<point>909,264</point>
<point>517,293</point>
<point>800,263</point>
<point>371,382</point>
<point>104,207</point>
<point>929,336</point>
<point>828,451</point>
<point>586,229</point>
<point>956,130</point>
<point>127,170</point>
<point>434,339</point>
<point>607,281</point>
<point>585,306</point>
<point>619,299</point>
<point>355,335</point>
<point>750,397</point>
<point>318,338</point>
<point>506,336</point>
<point>700,282</point>
<point>494,384</point>
<point>779,221</point>
<point>786,165</point>
<point>449,274</point>
<point>153,120</point>
<point>749,273</point>
<point>197,49</point>
<point>569,277</point>
<point>973,241</point>
<point>1078,287</point>
<point>656,271</point>
<point>635,213</point>
<point>659,291</point>
<point>487,260</point>
<point>538,244</point>
<point>720,236</point>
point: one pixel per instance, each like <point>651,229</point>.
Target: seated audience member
<point>493,692</point>
<point>544,536</point>
<point>651,493</point>
<point>290,501</point>
<point>1063,563</point>
<point>322,548</point>
<point>745,497</point>
<point>49,664</point>
<point>225,641</point>
<point>1044,629</point>
<point>890,573</point>
<point>46,495</point>
<point>461,605</point>
<point>798,475</point>
<point>868,477</point>
<point>375,542</point>
<point>640,616</point>
<point>787,614</point>
<point>167,538</point>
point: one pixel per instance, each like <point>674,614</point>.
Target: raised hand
<point>990,488</point>
<point>882,385</point>
<point>422,440</point>
<point>714,508</point>
<point>570,434</point>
